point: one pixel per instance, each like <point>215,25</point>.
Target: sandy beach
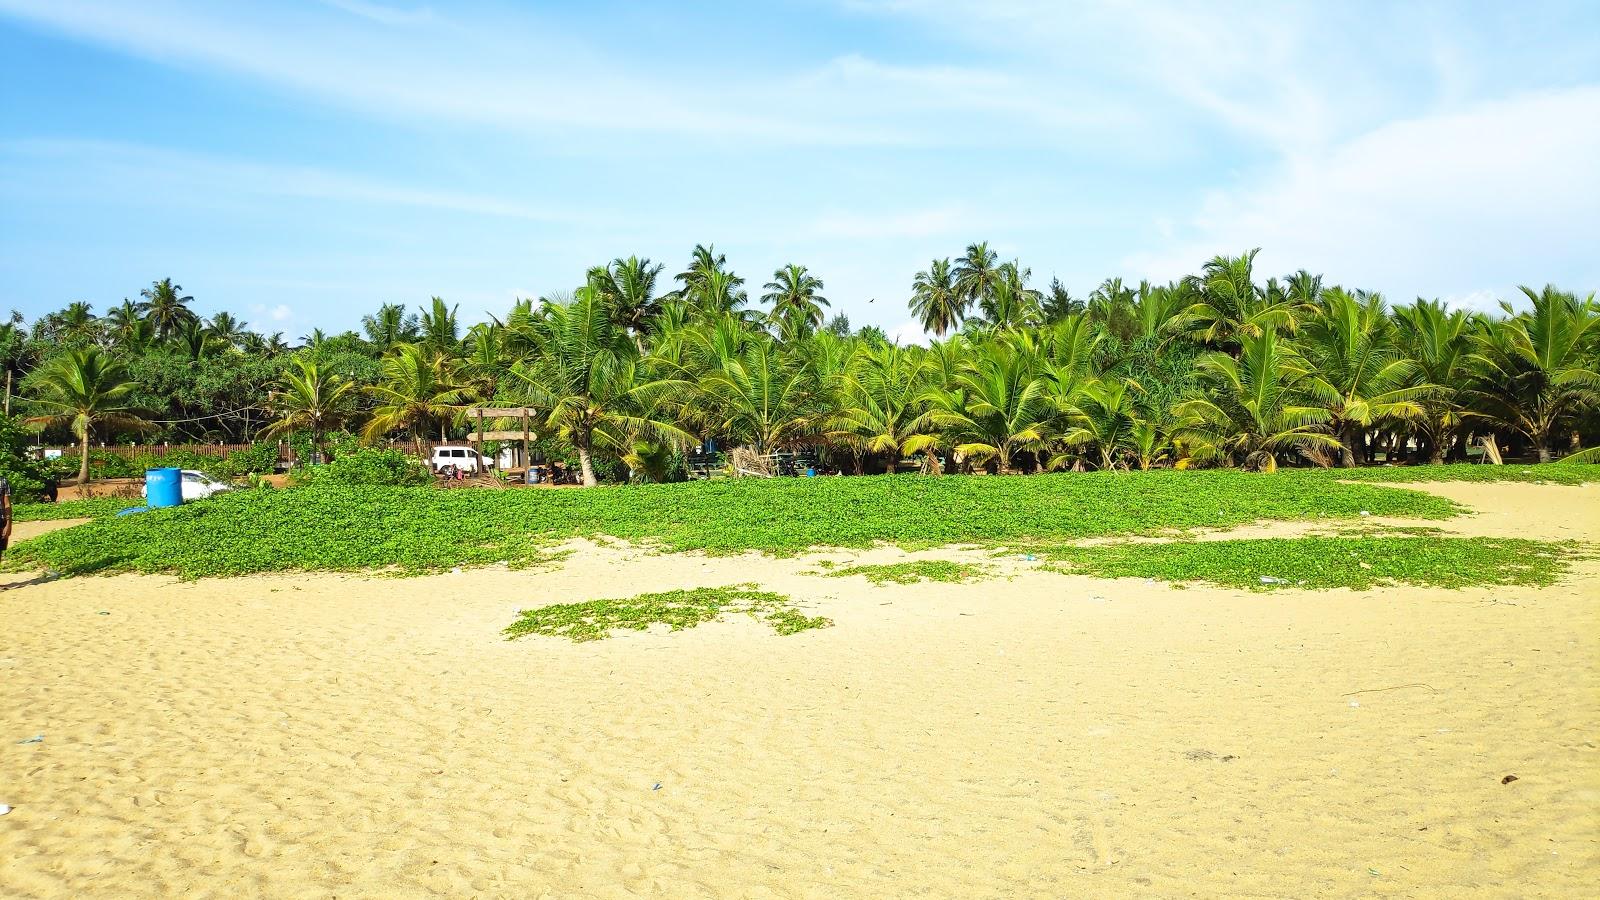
<point>1034,735</point>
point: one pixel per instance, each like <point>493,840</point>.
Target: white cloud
<point>908,332</point>
<point>878,226</point>
<point>1456,203</point>
<point>281,313</point>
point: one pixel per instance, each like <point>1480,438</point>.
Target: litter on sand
<point>1268,579</point>
<point>4,809</point>
<point>36,739</point>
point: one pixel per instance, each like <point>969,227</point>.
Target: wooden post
<point>527,451</point>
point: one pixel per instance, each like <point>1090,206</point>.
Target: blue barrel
<point>163,487</point>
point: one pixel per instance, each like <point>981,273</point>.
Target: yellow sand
<point>315,736</point>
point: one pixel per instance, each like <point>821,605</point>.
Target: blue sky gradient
<point>302,162</point>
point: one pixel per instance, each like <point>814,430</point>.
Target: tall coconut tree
<point>936,301</point>
<point>1010,303</point>
<point>1356,370</point>
<point>796,298</point>
<point>307,397</point>
<point>590,386</point>
<point>628,287</point>
<point>227,330</point>
<point>166,307</point>
<point>389,326</point>
<point>439,328</point>
<point>1537,369</point>
<point>1253,408</point>
<point>89,392</point>
<point>976,273</point>
<point>419,390</point>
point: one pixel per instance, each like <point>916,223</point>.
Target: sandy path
<point>1039,736</point>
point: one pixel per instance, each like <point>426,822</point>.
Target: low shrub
<point>374,467</point>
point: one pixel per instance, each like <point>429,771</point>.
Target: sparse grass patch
<point>596,619</point>
<point>1555,472</point>
<point>913,572</point>
<point>1320,563</point>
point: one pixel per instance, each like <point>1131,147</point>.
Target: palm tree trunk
<point>83,458</point>
<point>1352,440</point>
<point>586,464</point>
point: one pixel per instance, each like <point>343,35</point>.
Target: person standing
<point>5,515</point>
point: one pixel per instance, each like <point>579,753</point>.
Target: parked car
<point>464,459</point>
<point>196,485</point>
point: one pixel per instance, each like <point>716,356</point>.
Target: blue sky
<point>301,162</point>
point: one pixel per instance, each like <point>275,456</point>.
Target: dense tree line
<point>628,371</point>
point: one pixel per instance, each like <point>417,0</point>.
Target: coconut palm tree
<point>881,405</point>
<point>587,380</point>
<point>761,398</point>
<point>439,328</point>
<point>796,298</point>
<point>935,299</point>
<point>307,397</point>
<point>419,390</point>
<point>390,325</point>
<point>1106,418</point>
<point>1010,303</point>
<point>166,307</point>
<point>1438,342</point>
<point>1357,372</point>
<point>1537,369</point>
<point>976,274</point>
<point>227,330</point>
<point>997,406</point>
<point>87,391</point>
<point>1254,407</point>
<point>628,287</point>
<point>1230,306</point>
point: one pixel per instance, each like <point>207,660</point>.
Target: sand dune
<point>1041,735</point>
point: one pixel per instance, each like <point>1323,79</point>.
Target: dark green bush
<point>371,466</point>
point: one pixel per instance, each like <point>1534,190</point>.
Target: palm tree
<point>1537,369</point>
<point>935,299</point>
<point>390,325</point>
<point>1253,407</point>
<point>1230,306</point>
<point>1357,372</point>
<point>761,398</point>
<point>166,307</point>
<point>707,285</point>
<point>439,328</point>
<point>419,389</point>
<point>882,408</point>
<point>1107,419</point>
<point>976,274</point>
<point>997,406</point>
<point>1010,303</point>
<point>86,390</point>
<point>1438,342</point>
<point>308,398</point>
<point>227,329</point>
<point>587,380</point>
<point>796,298</point>
<point>628,287</point>
<point>195,340</point>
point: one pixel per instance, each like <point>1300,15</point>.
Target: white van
<point>465,459</point>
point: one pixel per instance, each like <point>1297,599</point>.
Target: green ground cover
<point>422,529</point>
<point>596,619</point>
<point>93,508</point>
<point>1550,473</point>
<point>913,572</point>
<point>1319,563</point>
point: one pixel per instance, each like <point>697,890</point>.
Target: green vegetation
<point>421,529</point>
<point>596,619</point>
<point>1319,563</point>
<point>93,508</point>
<point>1229,366</point>
<point>913,572</point>
<point>1552,473</point>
